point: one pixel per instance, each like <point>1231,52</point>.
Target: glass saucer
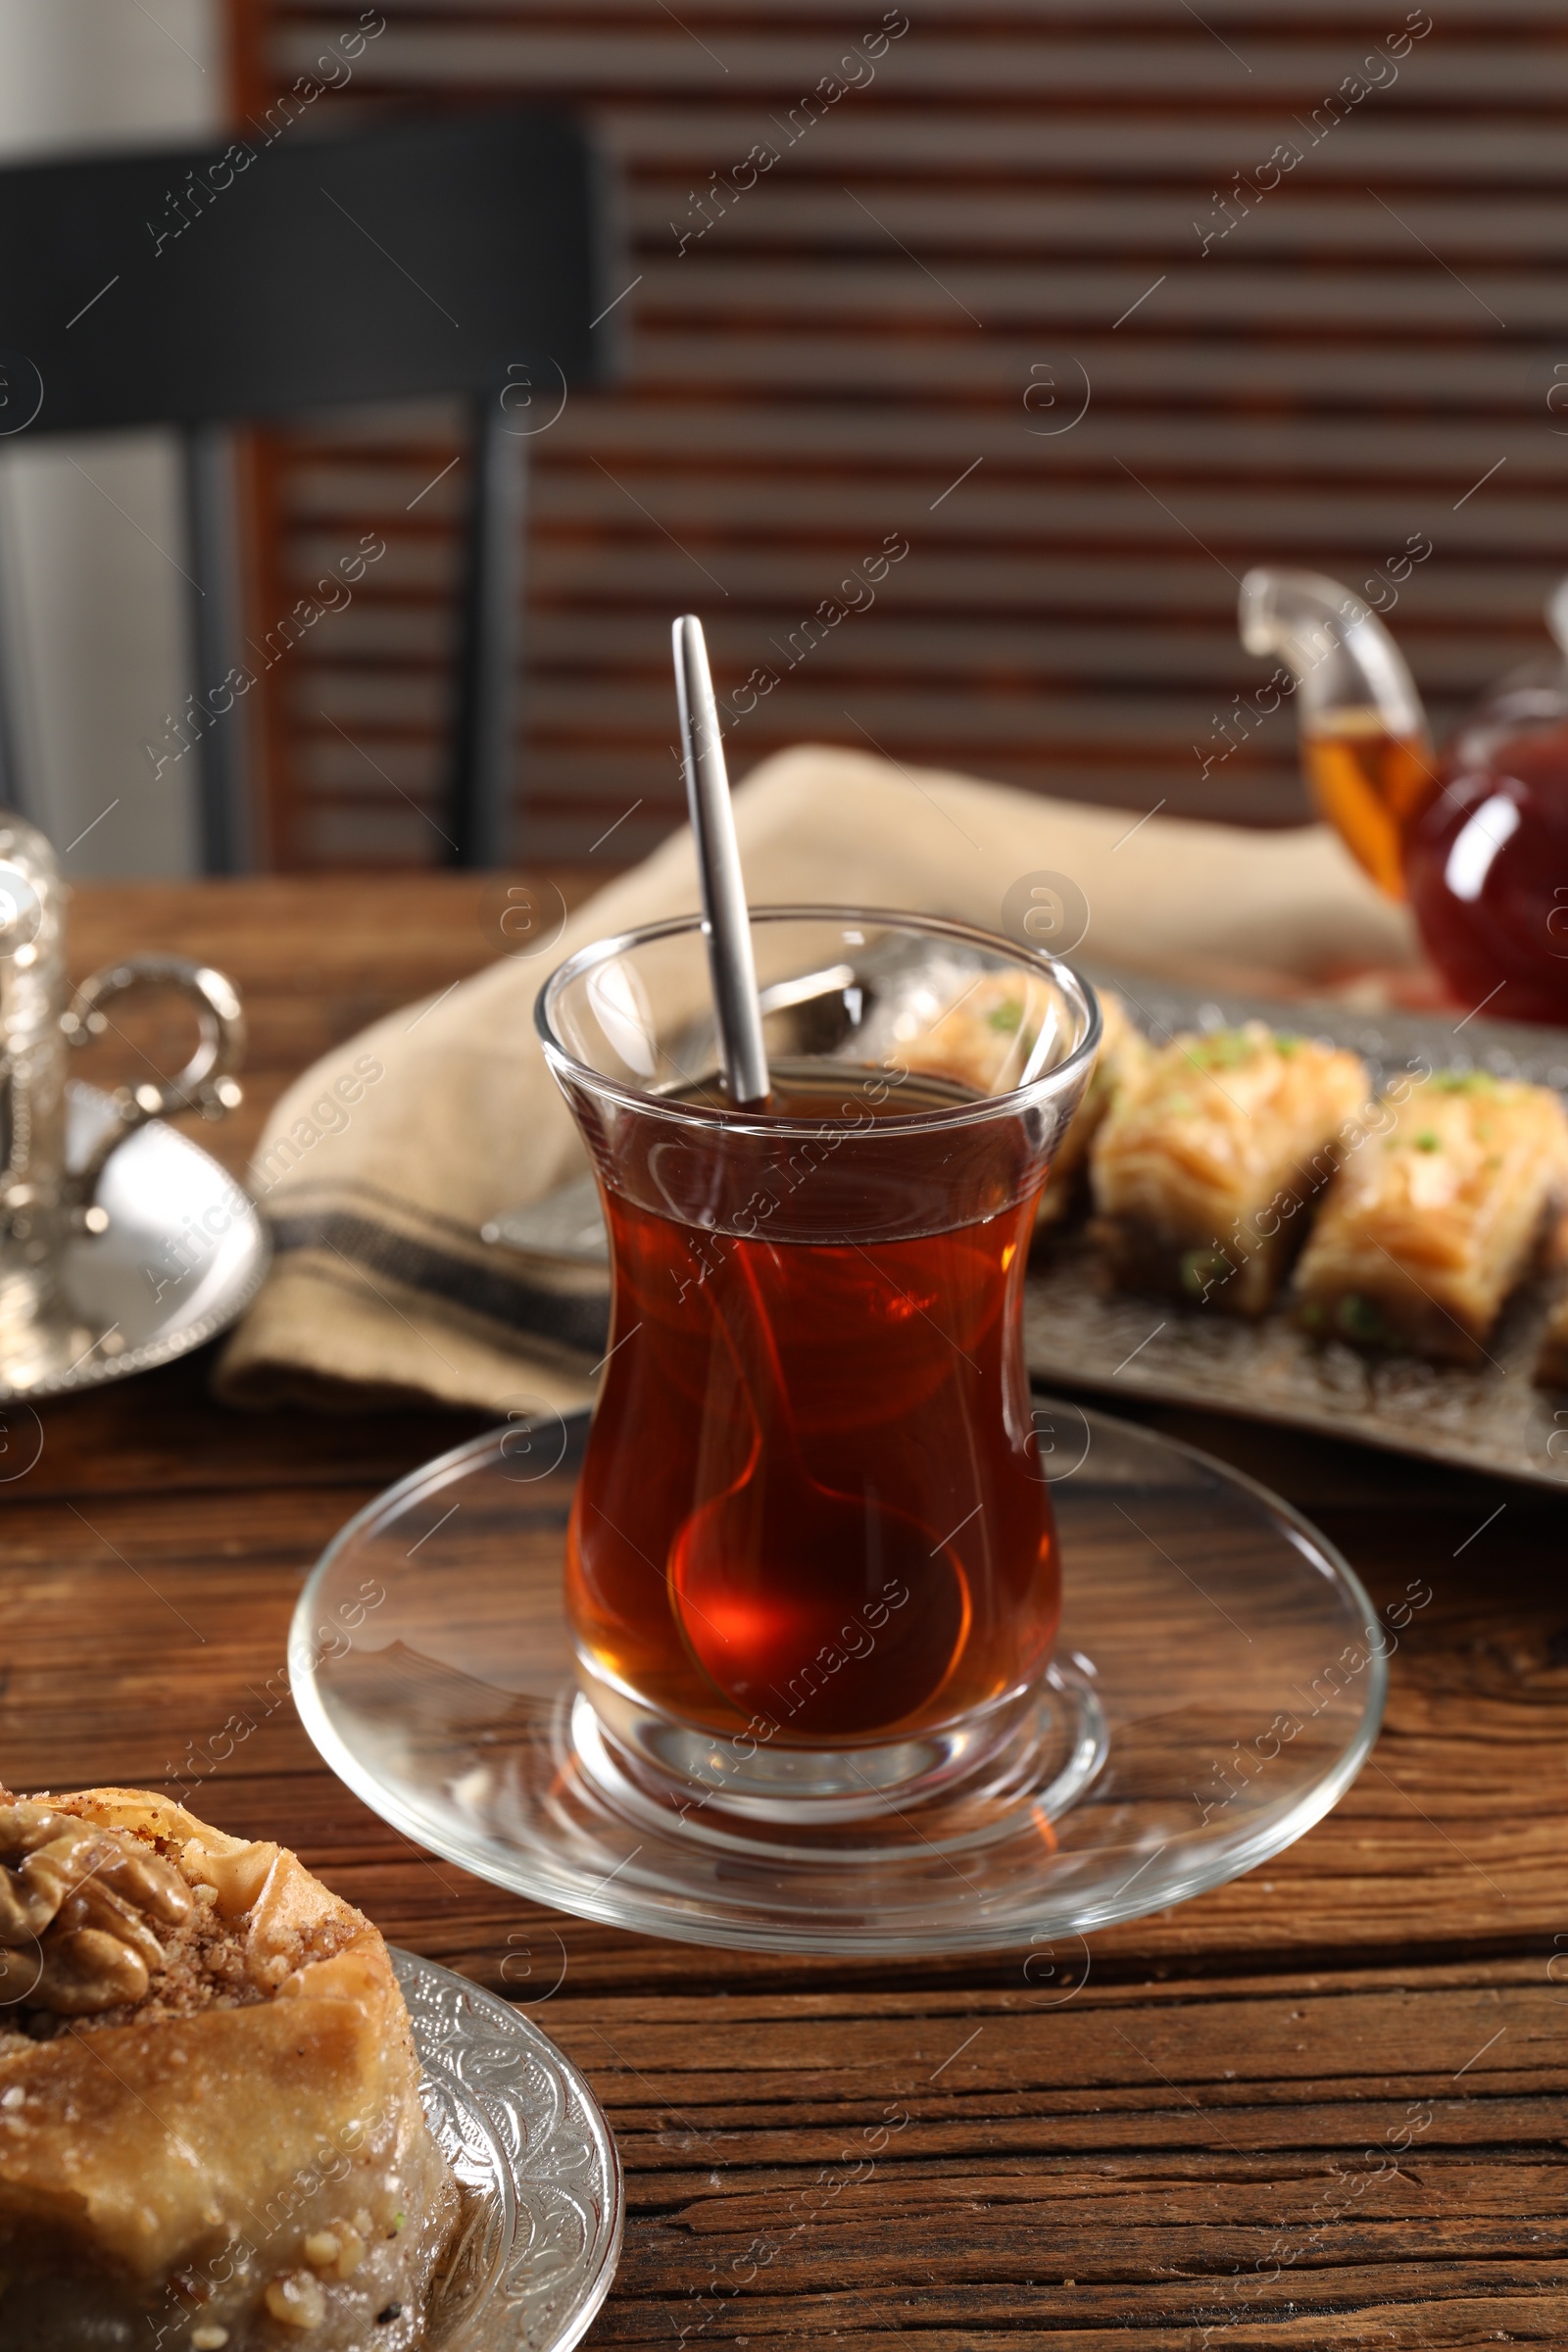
<point>1220,1679</point>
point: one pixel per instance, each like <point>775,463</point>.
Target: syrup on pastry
<point>211,2136</point>
<point>1434,1221</point>
<point>1205,1172</point>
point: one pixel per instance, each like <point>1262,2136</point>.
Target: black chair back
<point>287,271</point>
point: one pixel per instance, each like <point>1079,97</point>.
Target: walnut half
<point>78,1906</point>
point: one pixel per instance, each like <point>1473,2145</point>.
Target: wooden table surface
<point>1324,2106</point>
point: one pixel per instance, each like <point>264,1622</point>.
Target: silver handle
<point>207,1082</point>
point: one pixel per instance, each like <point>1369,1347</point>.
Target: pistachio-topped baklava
<point>1436,1217</point>
<point>211,2136</point>
<point>976,1042</point>
<point>1120,1066</point>
<point>1204,1169</point>
<point>982,1037</point>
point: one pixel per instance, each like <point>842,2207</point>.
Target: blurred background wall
<point>1086,305</point>
<point>93,601</point>
<point>1091,303</point>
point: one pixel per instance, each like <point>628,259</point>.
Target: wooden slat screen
<point>876,341</point>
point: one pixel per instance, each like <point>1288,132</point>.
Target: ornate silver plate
<point>185,1254</point>
<point>1494,1420</point>
<point>542,2207</point>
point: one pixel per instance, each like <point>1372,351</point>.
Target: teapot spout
<point>1366,749</point>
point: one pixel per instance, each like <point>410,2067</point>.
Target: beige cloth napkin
<point>383,1163</point>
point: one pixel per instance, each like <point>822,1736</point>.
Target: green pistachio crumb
<point>1224,1048</point>
<point>1428,1141</point>
<point>1006,1017</point>
<point>1359,1319</point>
<point>1200,1269</point>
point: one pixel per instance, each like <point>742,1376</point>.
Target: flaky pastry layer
<point>1435,1220</point>
<point>1202,1171</point>
<point>1120,1067</point>
<point>241,2158</point>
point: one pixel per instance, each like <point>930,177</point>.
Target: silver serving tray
<point>1494,1420</point>
<point>158,1283</point>
<point>1081,1332</point>
<point>540,2230</point>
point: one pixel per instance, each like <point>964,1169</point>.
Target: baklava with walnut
<point>211,2134</point>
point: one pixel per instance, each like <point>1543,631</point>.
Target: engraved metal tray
<point>1078,1331</point>
<point>540,2230</point>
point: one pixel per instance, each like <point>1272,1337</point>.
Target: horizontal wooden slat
<point>1487,18</point>
<point>1377,300</point>
<point>1262,522</point>
<point>932,645</point>
<point>1031,638</point>
<point>849,505</point>
<point>891,438</point>
<point>1350,227</point>
<point>940,61</point>
<point>638,709</point>
<point>1474,604</point>
<point>1416,375</point>
<point>1509,380</point>
<point>1033,146</point>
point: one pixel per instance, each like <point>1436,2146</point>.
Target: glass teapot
<point>1475,835</point>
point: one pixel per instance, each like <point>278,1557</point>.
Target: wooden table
<point>1322,2107</point>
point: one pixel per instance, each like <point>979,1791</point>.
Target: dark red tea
<point>811,1494</point>
<point>1487,863</point>
<point>1476,837</point>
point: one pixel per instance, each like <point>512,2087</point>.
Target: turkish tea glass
<point>811,1564</point>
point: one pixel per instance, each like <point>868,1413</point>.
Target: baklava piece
<point>1123,1060</point>
<point>1203,1171</point>
<point>1551,1358</point>
<point>1436,1218</point>
<point>984,1038</point>
<point>211,2136</point>
<point>982,1042</point>
<point>1551,1364</point>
